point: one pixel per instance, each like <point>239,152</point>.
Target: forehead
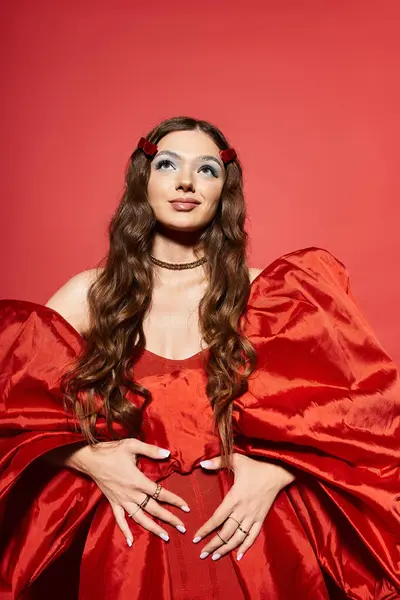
<point>190,143</point>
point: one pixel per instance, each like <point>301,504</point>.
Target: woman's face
<point>187,166</point>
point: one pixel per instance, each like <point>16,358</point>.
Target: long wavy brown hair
<point>120,297</point>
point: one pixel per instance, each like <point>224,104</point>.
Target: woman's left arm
<point>245,507</point>
<point>325,402</point>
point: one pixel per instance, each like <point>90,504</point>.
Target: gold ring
<point>157,492</point>
<point>134,513</point>
<point>145,501</point>
<point>238,522</point>
<point>221,538</point>
<point>243,531</point>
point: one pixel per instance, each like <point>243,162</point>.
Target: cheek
<point>156,187</point>
<point>212,191</point>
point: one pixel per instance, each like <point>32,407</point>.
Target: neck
<point>175,246</point>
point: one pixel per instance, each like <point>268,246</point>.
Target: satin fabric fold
<point>323,401</point>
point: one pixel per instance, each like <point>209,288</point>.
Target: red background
<point>307,92</point>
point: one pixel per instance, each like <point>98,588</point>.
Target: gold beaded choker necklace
<point>178,266</point>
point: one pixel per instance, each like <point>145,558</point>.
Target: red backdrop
<point>307,91</point>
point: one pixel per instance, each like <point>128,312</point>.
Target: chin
<point>182,220</point>
<point>185,226</point>
<point>184,223</point>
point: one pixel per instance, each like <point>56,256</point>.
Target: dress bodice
<point>179,416</point>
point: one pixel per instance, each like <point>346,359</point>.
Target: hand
<point>112,466</point>
<point>244,508</point>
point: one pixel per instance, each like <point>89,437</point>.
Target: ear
<point>213,464</point>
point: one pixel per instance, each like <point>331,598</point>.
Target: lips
<point>185,200</point>
<point>183,206</point>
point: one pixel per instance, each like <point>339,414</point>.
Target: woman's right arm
<point>75,456</point>
<point>70,300</point>
<point>112,465</point>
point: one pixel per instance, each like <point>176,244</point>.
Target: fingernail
<point>216,556</point>
<point>164,453</point>
<point>164,536</point>
<point>129,542</point>
<point>185,508</point>
<point>240,556</point>
<point>207,464</point>
<point>204,555</point>
<point>181,528</point>
<point>196,539</point>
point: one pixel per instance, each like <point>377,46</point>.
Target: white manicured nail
<point>196,539</point>
<point>207,464</point>
<point>164,453</point>
<point>185,508</point>
<point>181,528</point>
<point>129,542</point>
<point>164,536</point>
<point>240,556</point>
<point>216,556</point>
<point>204,555</point>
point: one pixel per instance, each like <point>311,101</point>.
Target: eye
<point>210,169</point>
<point>163,162</point>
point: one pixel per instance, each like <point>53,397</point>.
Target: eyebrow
<point>204,157</point>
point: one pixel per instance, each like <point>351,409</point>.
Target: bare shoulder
<point>253,273</point>
<point>70,300</point>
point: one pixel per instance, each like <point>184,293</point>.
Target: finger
<point>170,498</point>
<point>119,514</point>
<point>140,517</point>
<point>217,518</point>
<point>146,485</point>
<point>250,539</point>
<point>139,447</point>
<point>236,540</point>
<point>224,535</point>
<point>158,511</point>
<point>212,464</point>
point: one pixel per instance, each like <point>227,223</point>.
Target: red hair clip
<point>228,155</point>
<point>147,147</point>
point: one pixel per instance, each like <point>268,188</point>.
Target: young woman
<point>176,425</point>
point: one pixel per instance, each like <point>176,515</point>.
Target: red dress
<point>324,400</point>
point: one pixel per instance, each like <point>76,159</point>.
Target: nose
<point>185,180</point>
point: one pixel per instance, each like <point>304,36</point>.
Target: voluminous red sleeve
<point>41,507</point>
<point>325,400</point>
